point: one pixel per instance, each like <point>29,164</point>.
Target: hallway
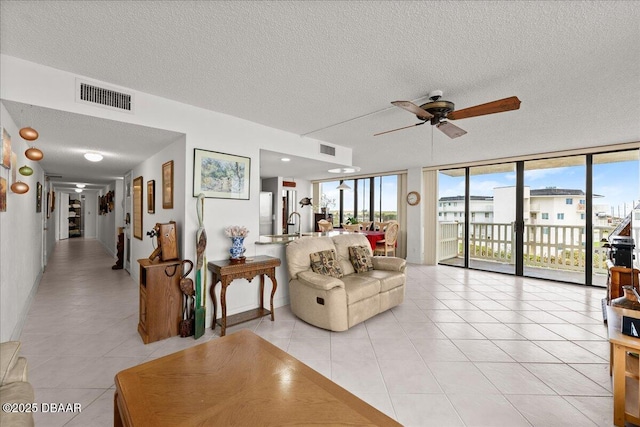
<point>466,348</point>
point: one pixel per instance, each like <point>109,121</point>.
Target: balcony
<point>550,251</point>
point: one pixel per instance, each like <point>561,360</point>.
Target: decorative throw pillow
<point>326,262</point>
<point>360,258</point>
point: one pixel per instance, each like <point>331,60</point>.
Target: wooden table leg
<point>619,384</point>
<point>117,418</point>
<point>223,303</point>
<point>274,286</point>
<point>262,291</point>
<point>212,292</point>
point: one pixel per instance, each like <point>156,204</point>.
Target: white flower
<point>236,231</point>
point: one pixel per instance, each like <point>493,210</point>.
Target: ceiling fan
<point>438,111</point>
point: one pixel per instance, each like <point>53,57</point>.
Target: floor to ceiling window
<point>451,216</point>
<point>616,190</point>
<point>546,218</point>
<point>554,241</point>
<point>492,215</point>
<point>368,199</point>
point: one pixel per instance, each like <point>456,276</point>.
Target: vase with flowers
<point>237,234</point>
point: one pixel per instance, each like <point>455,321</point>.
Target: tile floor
<point>466,348</point>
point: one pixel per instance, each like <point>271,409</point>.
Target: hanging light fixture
<point>34,154</point>
<point>343,186</point>
<point>25,170</point>
<point>78,190</point>
<point>29,133</point>
<point>19,187</point>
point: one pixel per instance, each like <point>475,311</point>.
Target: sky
<point>618,182</point>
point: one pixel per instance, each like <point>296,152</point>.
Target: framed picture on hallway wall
<point>151,196</point>
<point>6,149</point>
<point>220,175</point>
<point>137,207</point>
<point>167,185</point>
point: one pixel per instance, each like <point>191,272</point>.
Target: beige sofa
<point>335,303</point>
<point>14,388</point>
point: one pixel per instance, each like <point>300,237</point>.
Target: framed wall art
<point>151,196</point>
<point>6,149</point>
<point>167,185</point>
<point>38,197</point>
<point>137,208</point>
<point>220,175</point>
<point>3,195</point>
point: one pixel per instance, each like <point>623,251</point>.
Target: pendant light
<point>343,186</point>
<point>19,187</point>
<point>25,170</point>
<point>34,154</point>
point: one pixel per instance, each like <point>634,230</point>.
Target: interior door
<point>64,216</point>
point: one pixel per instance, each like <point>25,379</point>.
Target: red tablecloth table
<point>373,237</point>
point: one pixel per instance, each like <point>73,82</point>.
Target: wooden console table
<point>624,367</point>
<point>238,380</point>
<point>225,272</point>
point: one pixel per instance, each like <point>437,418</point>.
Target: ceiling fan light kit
<point>438,112</point>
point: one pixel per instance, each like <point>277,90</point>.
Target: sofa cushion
<point>298,251</point>
<point>326,263</point>
<point>360,258</point>
<point>388,279</point>
<point>342,243</point>
<point>360,286</point>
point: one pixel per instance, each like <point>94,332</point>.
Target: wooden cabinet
<point>160,299</point>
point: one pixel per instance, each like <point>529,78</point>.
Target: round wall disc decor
<point>25,170</point>
<point>19,187</point>
<point>34,154</point>
<point>30,134</point>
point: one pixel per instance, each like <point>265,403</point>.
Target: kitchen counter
<point>283,239</point>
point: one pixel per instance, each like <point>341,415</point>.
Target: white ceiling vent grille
<point>91,93</point>
<point>327,149</point>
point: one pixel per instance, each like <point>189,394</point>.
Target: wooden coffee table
<point>241,380</point>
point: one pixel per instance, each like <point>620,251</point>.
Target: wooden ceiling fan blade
<point>499,106</point>
<point>413,108</point>
<point>393,130</point>
<point>451,130</point>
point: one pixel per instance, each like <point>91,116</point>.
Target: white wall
<point>415,217</point>
<point>34,84</point>
<point>89,210</point>
<point>21,239</point>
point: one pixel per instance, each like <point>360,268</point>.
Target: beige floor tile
<point>487,410</point>
<point>482,351</point>
<point>549,411</point>
<point>569,352</point>
<point>565,380</point>
<point>461,378</point>
<point>497,331</point>
<point>462,331</point>
<point>408,377</point>
<point>425,410</point>
<point>438,350</point>
<point>526,351</point>
<point>513,378</point>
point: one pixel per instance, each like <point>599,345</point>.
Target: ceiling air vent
<point>327,149</point>
<point>93,94</point>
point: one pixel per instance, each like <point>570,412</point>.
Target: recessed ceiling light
<point>78,190</point>
<point>350,169</point>
<point>80,185</point>
<point>93,157</point>
<point>285,159</point>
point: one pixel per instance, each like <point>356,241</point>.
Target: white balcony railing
<point>548,246</point>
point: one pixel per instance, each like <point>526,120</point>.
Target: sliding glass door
<point>492,216</point>
<point>547,218</point>
<point>554,244</point>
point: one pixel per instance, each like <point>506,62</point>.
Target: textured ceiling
<point>329,69</point>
